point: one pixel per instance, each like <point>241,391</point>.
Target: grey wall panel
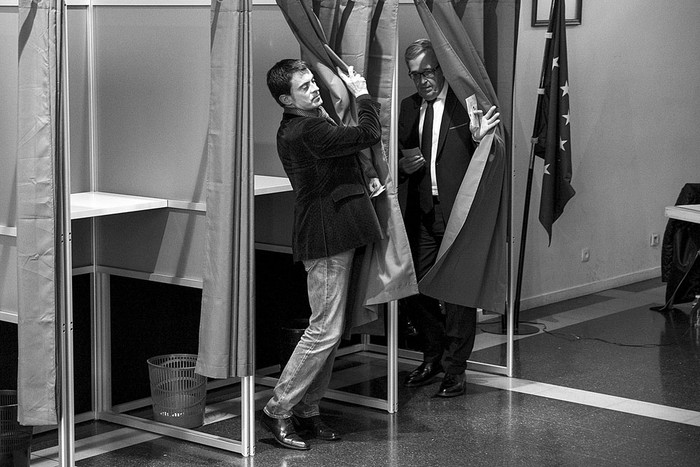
<point>9,18</point>
<point>274,218</point>
<point>82,242</point>
<point>166,242</point>
<point>79,109</point>
<point>170,242</point>
<point>152,100</point>
<point>8,274</point>
<point>272,42</point>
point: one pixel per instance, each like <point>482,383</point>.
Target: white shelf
<point>96,203</point>
<point>688,212</point>
<point>266,184</point>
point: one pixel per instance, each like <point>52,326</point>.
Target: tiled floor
<point>606,382</point>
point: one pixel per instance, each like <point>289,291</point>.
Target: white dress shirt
<point>438,110</point>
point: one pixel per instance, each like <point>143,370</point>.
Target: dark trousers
<point>450,336</point>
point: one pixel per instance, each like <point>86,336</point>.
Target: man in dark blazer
<point>333,215</point>
<point>436,141</point>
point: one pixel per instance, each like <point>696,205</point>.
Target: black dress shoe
<point>314,426</point>
<point>283,431</point>
<point>423,374</point>
<point>452,385</point>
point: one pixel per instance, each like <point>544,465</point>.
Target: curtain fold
<point>362,34</point>
<point>472,265</point>
<point>37,227</point>
<point>226,335</point>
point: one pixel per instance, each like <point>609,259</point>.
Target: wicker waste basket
<point>291,333</point>
<point>177,392</point>
<point>15,439</point>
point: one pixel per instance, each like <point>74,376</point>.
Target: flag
<point>552,130</point>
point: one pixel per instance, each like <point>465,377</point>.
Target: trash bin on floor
<point>177,392</point>
<point>290,336</point>
<point>15,439</point>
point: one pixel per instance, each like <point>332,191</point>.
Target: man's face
<point>305,94</point>
<point>426,74</point>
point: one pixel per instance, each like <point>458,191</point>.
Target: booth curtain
<point>362,34</point>
<point>472,264</point>
<point>37,226</point>
<point>226,343</point>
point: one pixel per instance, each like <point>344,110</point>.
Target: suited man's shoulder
<point>414,100</point>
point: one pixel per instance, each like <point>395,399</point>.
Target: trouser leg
<point>305,377</point>
<point>424,311</point>
<point>460,330</point>
<point>426,316</point>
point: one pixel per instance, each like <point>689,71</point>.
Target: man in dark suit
<point>333,215</point>
<point>437,139</point>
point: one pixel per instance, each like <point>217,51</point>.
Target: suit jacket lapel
<point>450,102</point>
<point>415,118</point>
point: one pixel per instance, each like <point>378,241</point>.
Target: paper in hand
<point>411,152</point>
<point>472,107</point>
<point>377,191</point>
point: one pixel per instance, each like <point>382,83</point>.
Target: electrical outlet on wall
<point>654,239</point>
<point>585,255</point>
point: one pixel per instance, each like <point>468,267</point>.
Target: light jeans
<point>305,378</point>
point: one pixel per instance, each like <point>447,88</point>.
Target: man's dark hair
<point>279,77</point>
<point>416,48</point>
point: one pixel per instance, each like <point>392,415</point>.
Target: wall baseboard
<point>590,288</point>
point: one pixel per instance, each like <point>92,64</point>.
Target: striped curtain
<point>475,246</point>
<point>38,151</point>
<point>362,34</point>
<point>226,343</point>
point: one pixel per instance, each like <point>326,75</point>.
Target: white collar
<point>443,93</point>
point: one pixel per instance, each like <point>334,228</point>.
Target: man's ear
<point>286,100</point>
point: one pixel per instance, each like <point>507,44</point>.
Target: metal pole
<point>66,405</point>
<point>393,306</point>
<point>523,239</point>
<point>526,209</point>
<point>248,416</point>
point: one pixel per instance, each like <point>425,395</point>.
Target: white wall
<point>635,104</point>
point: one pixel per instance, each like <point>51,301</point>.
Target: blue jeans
<point>305,378</point>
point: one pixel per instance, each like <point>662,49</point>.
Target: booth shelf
<point>97,203</point>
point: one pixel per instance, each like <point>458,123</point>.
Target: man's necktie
<point>426,147</point>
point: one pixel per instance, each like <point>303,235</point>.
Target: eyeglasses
<point>428,73</point>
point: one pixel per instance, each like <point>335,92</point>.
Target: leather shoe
<point>452,385</point>
<point>315,427</point>
<point>423,374</point>
<point>283,431</point>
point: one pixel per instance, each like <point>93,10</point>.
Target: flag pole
<point>524,329</point>
<point>556,22</point>
<point>520,330</point>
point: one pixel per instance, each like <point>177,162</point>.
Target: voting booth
<point>132,128</point>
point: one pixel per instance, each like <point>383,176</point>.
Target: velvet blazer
<point>454,152</point>
<point>332,209</point>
